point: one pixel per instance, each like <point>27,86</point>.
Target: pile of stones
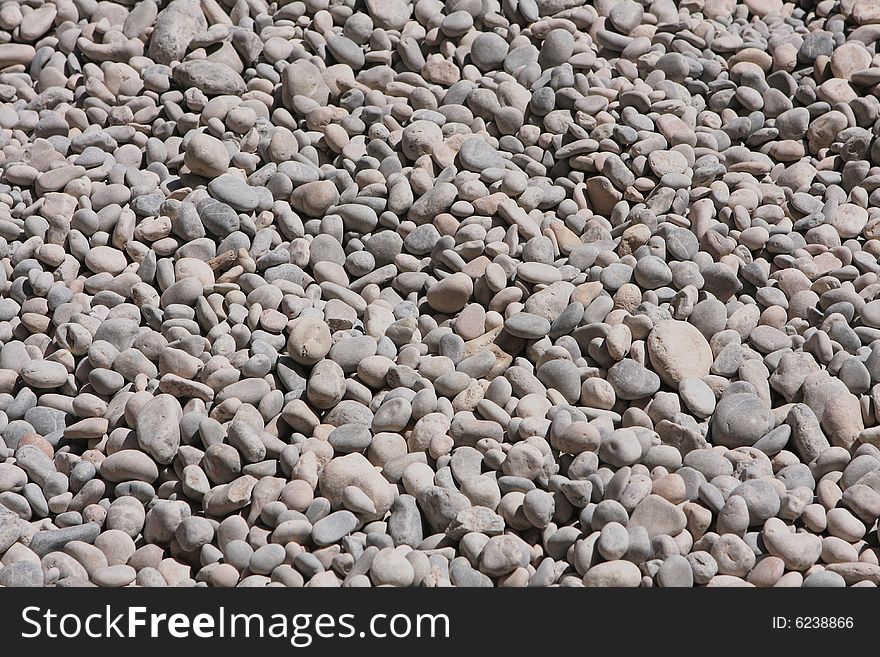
<point>426,293</point>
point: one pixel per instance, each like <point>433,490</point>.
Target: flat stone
<point>334,527</point>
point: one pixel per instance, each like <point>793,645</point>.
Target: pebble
<point>211,78</point>
<point>503,554</point>
<point>677,351</point>
<point>675,572</point>
<point>697,396</point>
<point>129,465</point>
<point>158,428</point>
<point>740,420</point>
<point>333,527</point>
<point>22,574</point>
<point>114,576</point>
<point>451,294</point>
<point>733,555</point>
<point>54,540</point>
<point>616,573</point>
<point>761,498</point>
<point>621,448</point>
<point>390,567</point>
<point>355,470</point>
<point>527,326</point>
<point>658,516</point>
<point>798,550</point>
<point>206,156</point>
<point>630,380</point>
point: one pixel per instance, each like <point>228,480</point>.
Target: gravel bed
<point>468,293</point>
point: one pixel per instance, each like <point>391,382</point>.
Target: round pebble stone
<point>740,420</point>
<point>675,572</point>
<point>451,294</point>
<point>678,350</point>
<point>390,567</point>
<point>697,396</point>
<point>616,573</point>
<point>114,576</point>
<point>206,156</point>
